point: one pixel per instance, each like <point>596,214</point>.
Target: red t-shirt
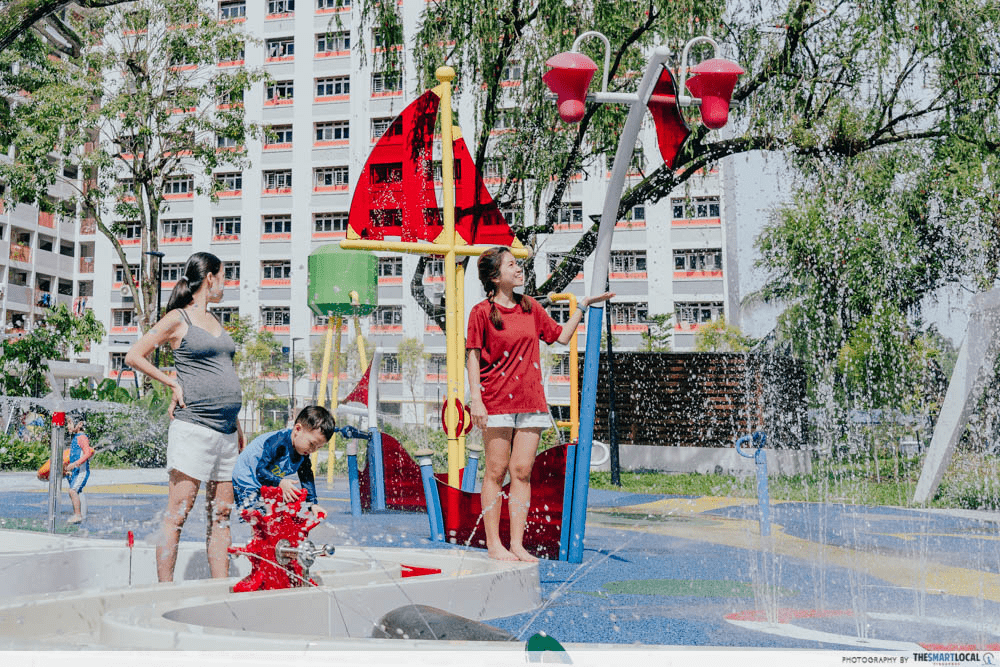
<point>509,367</point>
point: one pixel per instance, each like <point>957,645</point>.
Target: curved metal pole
<point>607,54</point>
<point>595,313</point>
<point>684,59</point>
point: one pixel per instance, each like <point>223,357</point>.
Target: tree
<point>411,357</point>
<point>718,336</point>
<point>824,82</point>
<point>164,119</point>
<point>60,333</point>
<point>17,17</point>
<point>656,337</point>
<point>258,356</point>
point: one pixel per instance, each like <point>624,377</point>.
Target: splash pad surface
<point>658,571</point>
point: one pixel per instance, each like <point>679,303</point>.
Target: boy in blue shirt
<point>272,457</point>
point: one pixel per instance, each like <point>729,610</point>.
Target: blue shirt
<point>268,460</point>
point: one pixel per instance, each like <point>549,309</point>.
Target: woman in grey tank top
<point>205,436</point>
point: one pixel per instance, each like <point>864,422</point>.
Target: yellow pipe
<point>362,353</point>
<point>446,75</point>
<point>428,248</point>
<point>324,371</point>
<point>460,335</point>
<point>574,372</point>
<point>335,394</point>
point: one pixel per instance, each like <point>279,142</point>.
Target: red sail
<point>394,195</point>
<point>477,218</point>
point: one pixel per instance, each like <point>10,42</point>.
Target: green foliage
<point>719,336</point>
<point>16,454</point>
<point>59,334</point>
<point>656,337</point>
<point>258,356</point>
<point>155,118</point>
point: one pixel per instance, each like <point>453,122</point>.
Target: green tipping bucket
<point>334,273</point>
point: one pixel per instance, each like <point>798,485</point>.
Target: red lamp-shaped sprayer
<point>713,82</point>
<point>569,79</point>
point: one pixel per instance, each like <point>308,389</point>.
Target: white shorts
<point>520,420</point>
<point>201,453</point>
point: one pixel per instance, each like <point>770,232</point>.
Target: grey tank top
<point>212,394</point>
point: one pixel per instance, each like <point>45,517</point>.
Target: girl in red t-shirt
<point>507,396</point>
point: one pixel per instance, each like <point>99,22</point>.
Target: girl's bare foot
<point>499,553</point>
<point>522,554</point>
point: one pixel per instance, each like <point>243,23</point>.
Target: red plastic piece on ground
<point>131,539</point>
<point>279,522</point>
<point>414,571</point>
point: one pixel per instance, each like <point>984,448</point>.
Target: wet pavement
<point>670,570</point>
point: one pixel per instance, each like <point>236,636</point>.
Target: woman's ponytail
<point>198,266</point>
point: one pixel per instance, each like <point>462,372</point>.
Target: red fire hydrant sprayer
<point>280,555</point>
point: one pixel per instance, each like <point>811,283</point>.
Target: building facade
<point>326,107</point>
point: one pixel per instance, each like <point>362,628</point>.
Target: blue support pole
<point>431,497</point>
<point>588,410</point>
<point>377,471</point>
<point>567,506</point>
<point>352,478</point>
<point>758,440</point>
<point>471,472</point>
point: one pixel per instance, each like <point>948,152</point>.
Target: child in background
<point>78,469</point>
<point>272,457</point>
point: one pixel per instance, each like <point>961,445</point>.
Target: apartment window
<point>333,130</point>
<point>276,270</point>
<point>332,86</point>
<point>179,185</point>
<point>279,91</point>
<point>117,361</point>
<point>388,316</point>
<point>278,224</point>
<point>123,317</point>
<point>281,47</point>
<point>692,208</point>
<point>232,52</point>
<point>227,315</point>
<point>389,267</point>
<point>390,364</point>
<point>571,213</point>
<point>492,170</point>
<point>386,82</point>
<point>231,272</point>
<point>560,364</point>
<point>512,216</point>
<point>709,259</point>
<point>275,316</point>
<point>638,161</point>
<point>381,126</point>
<point>628,261</point>
<point>278,179</point>
<point>507,119</point>
<point>227,226</point>
<point>697,313</point>
<point>438,171</point>
<point>65,249</point>
<point>434,268</point>
<point>333,42</point>
<point>172,272</point>
<point>120,272</point>
<point>229,181</point>
<point>388,172</point>
<point>512,71</point>
<point>330,176</point>
<point>222,141</point>
<point>130,230</point>
<point>560,312</point>
<point>333,4</point>
<point>280,6</point>
<point>232,9</point>
<point>229,98</point>
<point>628,313</point>
<point>386,217</point>
<point>177,229</point>
<point>330,222</point>
<point>279,134</point>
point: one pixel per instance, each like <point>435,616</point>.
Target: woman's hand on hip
<point>176,400</point>
<point>479,414</point>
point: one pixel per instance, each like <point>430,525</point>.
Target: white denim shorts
<point>201,453</point>
<point>520,420</point>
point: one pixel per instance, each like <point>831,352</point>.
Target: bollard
<point>760,459</point>
<point>431,497</point>
<point>56,447</point>
<point>471,473</point>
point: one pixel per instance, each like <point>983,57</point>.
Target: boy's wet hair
<point>315,417</point>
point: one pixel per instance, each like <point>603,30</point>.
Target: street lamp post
<point>293,379</point>
<point>569,78</point>
<point>159,291</point>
